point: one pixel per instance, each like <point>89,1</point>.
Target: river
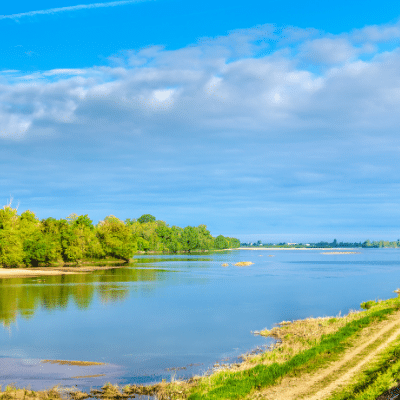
<point>169,317</point>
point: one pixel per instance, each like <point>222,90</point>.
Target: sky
<point>264,120</point>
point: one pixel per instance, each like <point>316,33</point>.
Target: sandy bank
<point>40,271</point>
<point>294,248</point>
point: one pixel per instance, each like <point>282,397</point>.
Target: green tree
<point>78,239</point>
<point>221,242</point>
<point>206,241</point>
<point>116,238</point>
<point>146,218</point>
<point>190,239</point>
<point>11,245</point>
<point>86,236</point>
<point>36,248</point>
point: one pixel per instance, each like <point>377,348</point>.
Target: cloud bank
<point>258,80</point>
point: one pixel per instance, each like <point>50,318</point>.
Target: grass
<point>237,385</point>
<point>12,393</point>
<point>379,378</point>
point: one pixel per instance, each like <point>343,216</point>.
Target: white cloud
<point>13,126</point>
<point>68,9</point>
<point>64,71</point>
<point>208,87</point>
<point>328,51</point>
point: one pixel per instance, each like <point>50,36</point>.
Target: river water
<point>168,317</point>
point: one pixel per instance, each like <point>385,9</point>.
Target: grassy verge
<point>238,385</point>
<point>376,381</point>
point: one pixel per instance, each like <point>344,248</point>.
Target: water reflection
<point>168,315</point>
<point>24,296</point>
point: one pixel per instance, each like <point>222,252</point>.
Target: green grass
<point>237,385</point>
<point>383,375</point>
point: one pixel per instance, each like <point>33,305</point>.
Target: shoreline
<point>299,248</point>
<point>70,268</point>
<point>50,271</point>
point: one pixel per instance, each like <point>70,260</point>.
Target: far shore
<point>298,248</point>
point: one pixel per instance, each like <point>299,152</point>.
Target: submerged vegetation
<point>27,241</point>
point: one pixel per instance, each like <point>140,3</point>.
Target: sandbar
<point>43,271</point>
<point>293,248</point>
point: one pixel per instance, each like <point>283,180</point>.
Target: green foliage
<point>190,239</point>
<point>221,242</point>
<point>116,238</point>
<point>26,240</point>
<point>78,239</point>
<point>145,218</point>
<point>368,304</point>
<point>37,247</point>
<point>11,245</point>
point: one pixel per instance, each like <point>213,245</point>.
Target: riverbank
<point>48,271</point>
<point>299,248</point>
<point>356,356</point>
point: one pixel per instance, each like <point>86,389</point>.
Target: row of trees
<point>26,240</point>
<point>334,244</point>
<point>381,243</point>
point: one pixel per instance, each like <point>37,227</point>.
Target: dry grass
<point>225,264</point>
<point>12,393</point>
<point>78,363</point>
<point>341,252</point>
<point>178,390</point>
<point>243,263</point>
<point>292,337</point>
<point>296,336</point>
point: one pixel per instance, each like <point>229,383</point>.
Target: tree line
<point>26,240</point>
<point>322,244</point>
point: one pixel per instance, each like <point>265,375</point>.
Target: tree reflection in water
<point>24,296</point>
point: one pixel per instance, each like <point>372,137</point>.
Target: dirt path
<point>322,383</point>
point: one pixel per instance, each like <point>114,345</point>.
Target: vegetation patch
<point>11,393</point>
<point>238,384</point>
<point>78,363</point>
<point>379,381</point>
<point>27,241</point>
<point>243,263</point>
<point>341,252</point>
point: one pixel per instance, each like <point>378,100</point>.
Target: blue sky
<point>262,120</point>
